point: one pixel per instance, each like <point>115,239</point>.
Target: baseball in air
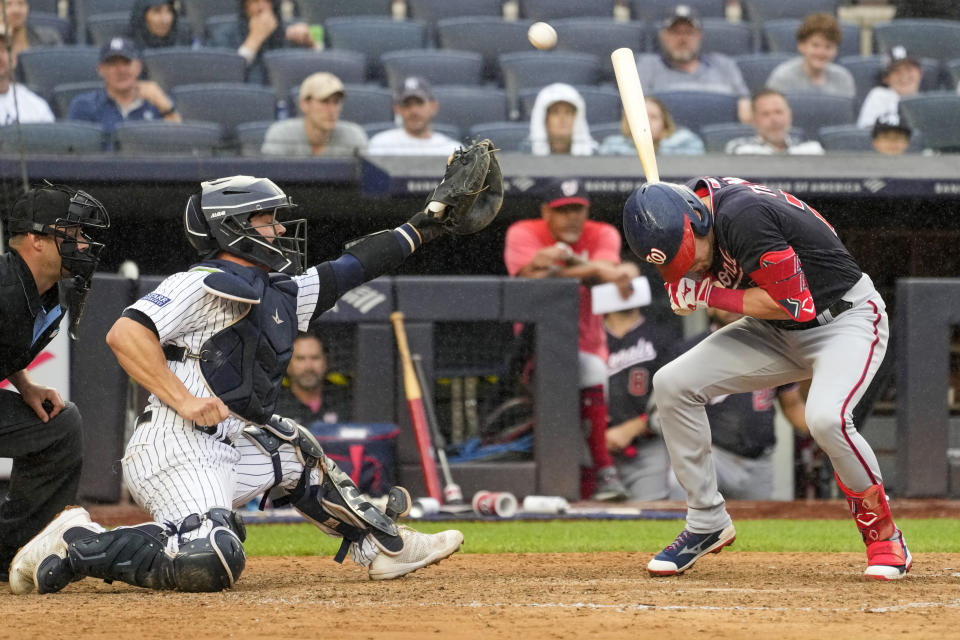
<point>542,35</point>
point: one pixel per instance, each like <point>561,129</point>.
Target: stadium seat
<point>845,137</point>
<point>539,68</point>
<point>62,26</point>
<point>44,6</point>
<point>656,10</point>
<point>603,102</point>
<point>489,36</point>
<point>44,68</point>
<point>694,109</point>
<point>63,95</point>
<point>214,24</point>
<point>52,138</point>
<point>103,27</point>
<point>548,10</point>
<point>811,111</point>
<point>373,36</point>
<point>175,66</point>
<point>756,67</point>
<point>925,38</point>
<point>287,68</point>
<point>716,136</point>
<point>439,66</point>
<point>318,11</point>
<point>728,38</point>
<point>83,10</point>
<point>465,106</point>
<point>506,135</point>
<point>250,136</point>
<point>197,12</point>
<point>228,104</point>
<point>934,116</point>
<point>432,10</point>
<point>158,137</point>
<point>953,69</point>
<point>781,35</point>
<point>602,130</point>
<point>366,103</point>
<point>759,11</point>
<point>867,70</point>
<point>600,36</point>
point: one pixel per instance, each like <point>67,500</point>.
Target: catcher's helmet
<point>659,221</point>
<point>66,214</point>
<point>218,219</point>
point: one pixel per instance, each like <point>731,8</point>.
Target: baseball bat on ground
<point>451,490</point>
<point>415,404</point>
<point>635,108</point>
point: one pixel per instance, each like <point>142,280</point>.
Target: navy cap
<point>560,193</point>
<point>898,55</point>
<point>119,48</point>
<point>890,122</point>
<point>413,87</point>
<point>682,12</point>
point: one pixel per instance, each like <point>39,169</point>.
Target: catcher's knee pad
<point>211,563</point>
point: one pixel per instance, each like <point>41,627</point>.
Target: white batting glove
<point>687,295</point>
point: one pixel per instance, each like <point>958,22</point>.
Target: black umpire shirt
<point>28,321</point>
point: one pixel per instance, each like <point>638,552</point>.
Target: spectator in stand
<point>891,136</point>
<point>901,78</point>
<point>22,35</point>
<point>681,65</point>
<point>563,243</point>
<point>123,96</point>
<point>320,132</point>
<point>28,107</point>
<point>155,24</point>
<point>558,123</point>
<point>307,396</point>
<point>818,40</point>
<point>258,29</point>
<point>668,140</point>
<point>416,106</point>
<point>772,119</point>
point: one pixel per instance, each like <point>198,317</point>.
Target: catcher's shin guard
<point>887,555</point>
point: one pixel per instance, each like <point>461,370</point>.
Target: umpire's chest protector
<point>244,363</point>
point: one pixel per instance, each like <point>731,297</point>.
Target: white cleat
<point>48,542</point>
<point>419,550</point>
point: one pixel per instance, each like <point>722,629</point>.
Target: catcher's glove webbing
<point>471,192</point>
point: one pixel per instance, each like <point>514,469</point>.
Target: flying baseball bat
<point>415,404</point>
<point>635,108</point>
<point>451,490</point>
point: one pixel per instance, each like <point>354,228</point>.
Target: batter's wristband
<point>726,299</point>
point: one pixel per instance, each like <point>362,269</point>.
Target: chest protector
<point>244,363</point>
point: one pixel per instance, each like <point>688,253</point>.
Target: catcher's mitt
<point>471,189</point>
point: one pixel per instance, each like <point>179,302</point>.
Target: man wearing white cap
<point>320,132</point>
<point>416,106</point>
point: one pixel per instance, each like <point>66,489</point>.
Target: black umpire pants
<point>47,459</point>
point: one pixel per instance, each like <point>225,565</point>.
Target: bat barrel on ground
<point>451,491</point>
<point>415,404</point>
<point>635,109</point>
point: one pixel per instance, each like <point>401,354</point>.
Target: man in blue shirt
<point>124,96</point>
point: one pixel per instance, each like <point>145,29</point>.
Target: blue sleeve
<point>80,109</point>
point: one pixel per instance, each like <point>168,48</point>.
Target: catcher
<point>211,344</point>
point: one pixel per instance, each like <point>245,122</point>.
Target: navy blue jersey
<point>633,360</point>
<point>752,221</point>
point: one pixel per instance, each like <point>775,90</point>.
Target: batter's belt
<point>823,318</point>
<point>147,416</point>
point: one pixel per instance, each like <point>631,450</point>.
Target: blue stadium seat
<point>44,68</point>
<point>845,137</point>
<point>925,38</point>
<point>373,36</point>
<point>250,135</point>
<point>196,12</point>
<point>228,104</point>
<point>934,116</point>
<point>439,66</point>
<point>52,138</point>
<point>759,11</point>
<point>867,71</point>
<point>287,68</point>
<point>603,102</point>
<point>175,66</point>
<point>539,68</point>
<point>214,24</point>
<point>811,111</point>
<point>781,35</point>
<point>600,36</point>
<point>432,10</point>
<point>716,136</point>
<point>62,26</point>
<point>506,135</point>
<point>465,106</point>
<point>83,10</point>
<point>44,6</point>
<point>63,95</point>
<point>602,130</point>
<point>729,38</point>
<point>366,103</point>
<point>103,27</point>
<point>158,137</point>
<point>489,36</point>
<point>656,10</point>
<point>953,69</point>
<point>756,67</point>
<point>318,11</point>
<point>548,10</point>
<point>694,109</point>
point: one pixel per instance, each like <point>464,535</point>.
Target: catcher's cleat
<point>419,550</point>
<point>49,542</point>
<point>687,549</point>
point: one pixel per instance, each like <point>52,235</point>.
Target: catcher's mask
<point>67,215</point>
<point>218,219</point>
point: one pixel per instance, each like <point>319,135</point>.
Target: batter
<point>810,312</point>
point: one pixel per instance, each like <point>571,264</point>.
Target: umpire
<point>48,243</point>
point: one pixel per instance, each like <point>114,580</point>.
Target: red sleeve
<point>521,244</point>
<point>605,243</point>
